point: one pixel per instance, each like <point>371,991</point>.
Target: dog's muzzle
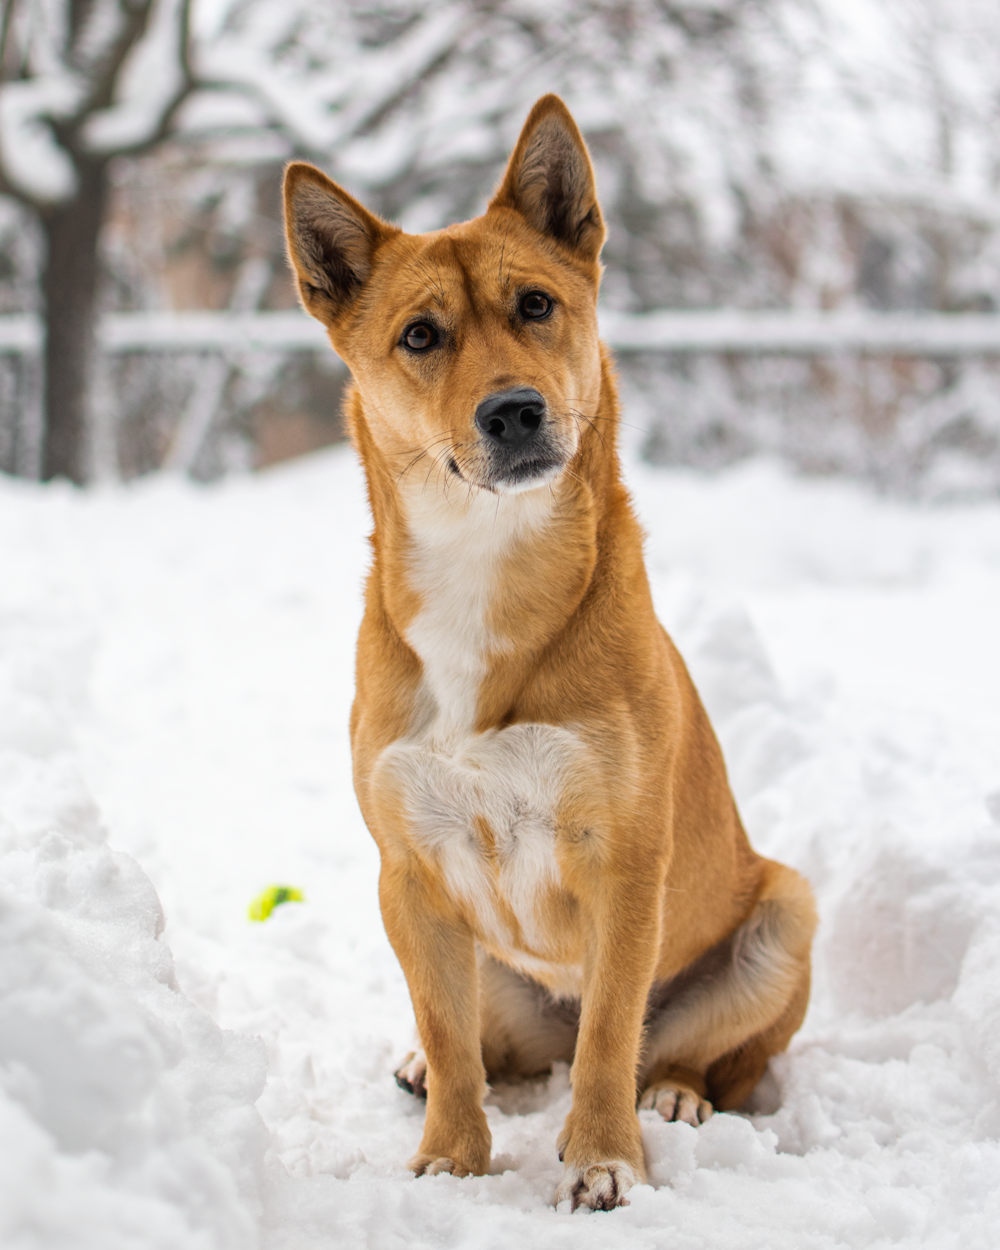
<point>520,445</point>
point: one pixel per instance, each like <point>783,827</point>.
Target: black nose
<point>511,418</point>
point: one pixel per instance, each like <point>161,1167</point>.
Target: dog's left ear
<point>550,181</point>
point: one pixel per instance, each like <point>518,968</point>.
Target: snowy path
<point>175,672</point>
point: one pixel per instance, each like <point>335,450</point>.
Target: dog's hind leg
<point>524,1030</point>
<point>732,1079</point>
<point>711,1029</point>
<point>411,1074</point>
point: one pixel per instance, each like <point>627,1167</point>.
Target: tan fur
<point>564,872</point>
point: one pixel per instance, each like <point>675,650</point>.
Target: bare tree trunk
<point>69,282</point>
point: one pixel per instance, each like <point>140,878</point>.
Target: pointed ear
<point>550,181</point>
<point>332,240</point>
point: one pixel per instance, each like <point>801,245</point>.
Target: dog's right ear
<point>332,240</point>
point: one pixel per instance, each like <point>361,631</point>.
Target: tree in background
<point>84,81</point>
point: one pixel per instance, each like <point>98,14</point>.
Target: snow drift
<point>175,676</point>
<point>126,1113</point>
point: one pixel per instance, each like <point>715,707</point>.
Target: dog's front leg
<point>601,1144</point>
<point>437,954</point>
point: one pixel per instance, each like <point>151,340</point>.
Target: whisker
<point>442,439</point>
<point>583,417</point>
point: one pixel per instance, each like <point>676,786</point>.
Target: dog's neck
<point>464,553</point>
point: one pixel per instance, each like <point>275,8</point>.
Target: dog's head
<point>473,348</point>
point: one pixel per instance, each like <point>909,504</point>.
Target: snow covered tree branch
<point>84,82</point>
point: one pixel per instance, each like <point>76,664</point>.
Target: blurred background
<point>811,186</point>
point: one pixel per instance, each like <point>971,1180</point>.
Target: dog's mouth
<point>511,478</point>
<point>529,474</point>
<point>511,470</point>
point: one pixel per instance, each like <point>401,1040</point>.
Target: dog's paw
<point>411,1075</point>
<point>676,1102</point>
<point>600,1186</point>
<point>465,1157</point>
<point>428,1165</point>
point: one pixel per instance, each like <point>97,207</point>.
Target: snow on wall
<point>926,427</point>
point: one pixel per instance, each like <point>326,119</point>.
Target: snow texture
<point>175,677</point>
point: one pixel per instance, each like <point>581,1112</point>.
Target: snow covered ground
<point>175,677</point>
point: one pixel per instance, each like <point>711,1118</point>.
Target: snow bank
<point>184,656</point>
<point>127,1115</point>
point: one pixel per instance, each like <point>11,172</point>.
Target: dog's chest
<point>483,807</point>
<point>457,570</point>
<point>487,813</point>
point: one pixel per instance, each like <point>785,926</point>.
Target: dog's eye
<point>420,336</point>
<point>535,305</point>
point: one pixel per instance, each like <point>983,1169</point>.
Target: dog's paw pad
<point>411,1075</point>
<point>600,1186</point>
<point>676,1102</point>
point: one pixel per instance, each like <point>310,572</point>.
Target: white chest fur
<point>459,549</point>
<point>483,806</point>
<point>486,813</point>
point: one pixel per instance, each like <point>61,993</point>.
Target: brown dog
<point>564,872</point>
